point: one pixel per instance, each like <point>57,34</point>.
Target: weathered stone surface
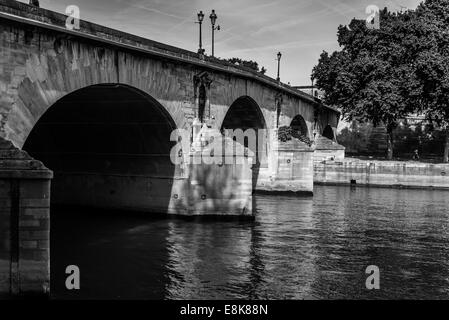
<point>294,174</point>
<point>16,163</point>
<point>23,181</point>
<point>383,173</point>
<point>323,143</point>
<point>40,71</point>
<point>54,62</point>
<point>326,149</point>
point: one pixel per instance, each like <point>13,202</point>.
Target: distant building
<point>415,120</point>
<point>312,90</point>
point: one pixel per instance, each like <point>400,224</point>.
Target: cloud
<point>154,10</point>
<point>285,46</point>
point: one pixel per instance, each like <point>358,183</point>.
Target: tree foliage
<point>247,63</point>
<point>383,75</point>
<point>355,138</point>
<point>286,133</point>
<point>432,64</point>
<point>359,140</point>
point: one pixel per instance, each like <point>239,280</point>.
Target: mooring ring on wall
<point>288,161</point>
<point>175,196</point>
<point>203,197</point>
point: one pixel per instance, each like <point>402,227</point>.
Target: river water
<point>297,248</point>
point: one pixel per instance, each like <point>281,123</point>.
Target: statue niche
<point>202,83</point>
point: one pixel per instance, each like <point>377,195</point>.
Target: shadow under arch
<point>299,124</point>
<point>109,147</point>
<point>245,113</point>
<point>103,143</point>
<point>328,132</point>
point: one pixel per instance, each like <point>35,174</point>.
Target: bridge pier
<point>204,189</point>
<point>328,149</point>
<point>290,168</point>
<point>24,223</point>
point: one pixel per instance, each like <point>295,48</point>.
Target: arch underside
<point>328,132</point>
<point>109,146</point>
<point>299,124</point>
<point>245,114</point>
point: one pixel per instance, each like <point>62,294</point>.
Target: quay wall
<point>382,174</point>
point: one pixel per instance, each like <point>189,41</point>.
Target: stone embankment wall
<point>382,173</point>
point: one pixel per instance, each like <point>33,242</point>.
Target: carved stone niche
<point>202,82</point>
<point>278,100</point>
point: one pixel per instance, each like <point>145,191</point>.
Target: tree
<point>355,137</point>
<point>247,63</point>
<point>383,75</point>
<point>359,139</point>
<point>372,78</point>
<point>432,63</point>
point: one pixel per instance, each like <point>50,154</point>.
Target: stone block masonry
<point>24,223</point>
<point>293,161</point>
<point>42,62</point>
<point>382,174</point>
<point>327,149</point>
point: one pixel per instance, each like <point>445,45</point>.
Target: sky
<point>250,29</point>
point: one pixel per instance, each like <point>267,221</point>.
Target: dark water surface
<point>298,248</point>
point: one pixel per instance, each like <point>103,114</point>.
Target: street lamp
<point>311,78</point>
<point>200,21</point>
<point>279,65</point>
<point>213,19</point>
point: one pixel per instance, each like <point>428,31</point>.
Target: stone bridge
<point>98,106</point>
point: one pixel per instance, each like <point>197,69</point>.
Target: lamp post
<point>200,22</point>
<point>279,65</point>
<point>311,78</point>
<point>213,19</point>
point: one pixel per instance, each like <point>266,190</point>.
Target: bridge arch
<point>299,124</point>
<point>328,132</point>
<point>46,78</point>
<point>244,113</point>
<point>108,145</point>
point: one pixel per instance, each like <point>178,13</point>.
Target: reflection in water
<point>5,250</point>
<point>298,248</point>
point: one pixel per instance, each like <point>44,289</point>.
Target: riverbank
<point>375,173</point>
